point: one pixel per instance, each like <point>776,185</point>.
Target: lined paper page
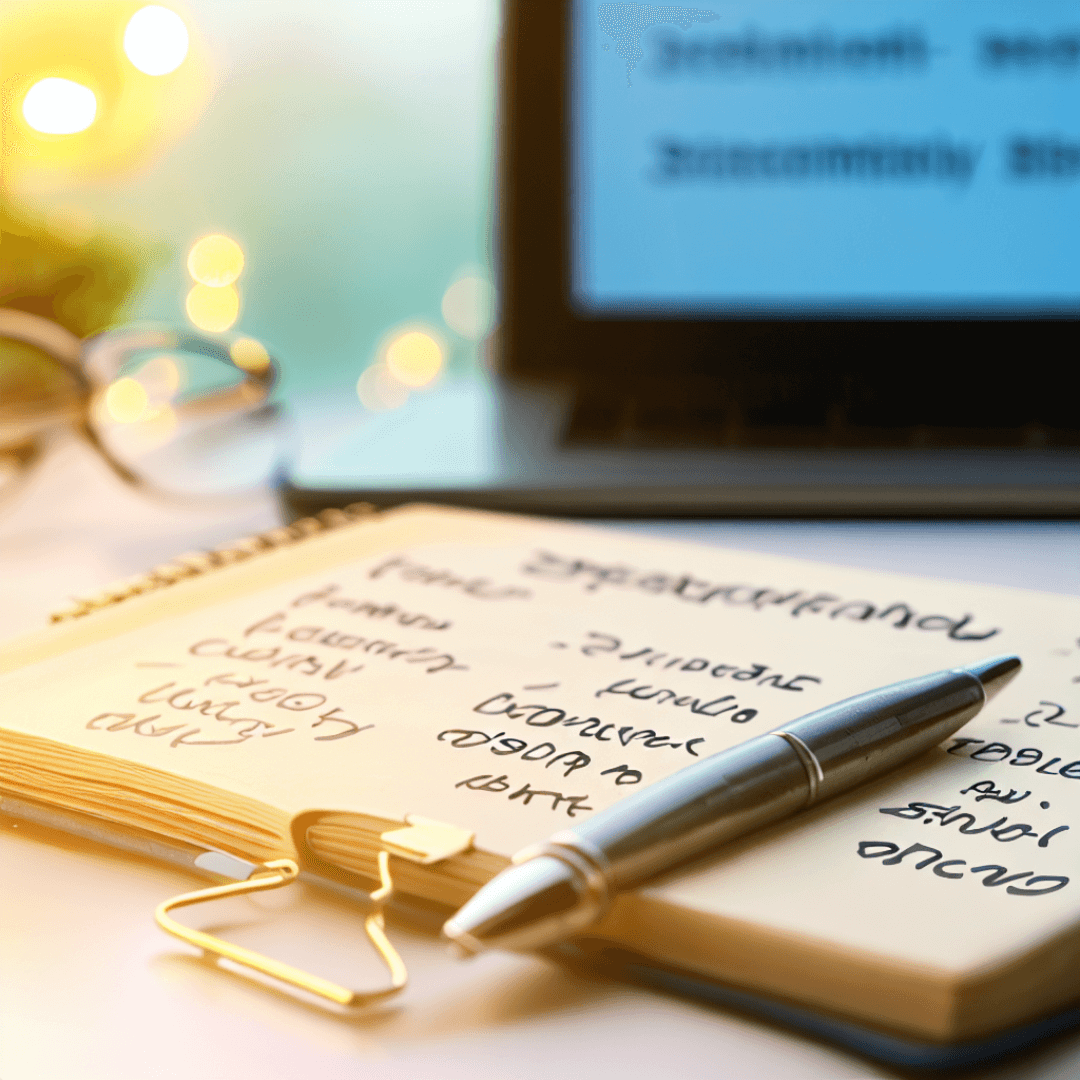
<point>515,676</point>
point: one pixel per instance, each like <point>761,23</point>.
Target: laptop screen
<point>802,158</point>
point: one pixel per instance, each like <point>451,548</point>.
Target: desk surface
<point>89,987</point>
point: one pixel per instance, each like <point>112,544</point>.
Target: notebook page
<point>515,676</point>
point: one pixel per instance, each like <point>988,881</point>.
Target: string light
<point>214,310</point>
<point>414,358</point>
<point>249,355</point>
<point>215,260</point>
<point>156,40</point>
<point>161,377</point>
<point>468,306</point>
<point>59,107</point>
<point>378,390</point>
<point>126,400</point>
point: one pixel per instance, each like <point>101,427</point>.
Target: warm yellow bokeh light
<point>378,390</point>
<point>414,358</point>
<point>151,431</point>
<point>156,40</point>
<point>161,378</point>
<point>249,355</point>
<point>137,118</point>
<point>215,260</point>
<point>126,401</point>
<point>468,305</point>
<point>154,430</point>
<point>213,309</point>
<point>59,107</point>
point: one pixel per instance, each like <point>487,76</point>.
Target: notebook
<point>304,692</point>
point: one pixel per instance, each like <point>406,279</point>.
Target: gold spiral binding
<point>196,563</point>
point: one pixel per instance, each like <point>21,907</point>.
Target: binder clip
<point>421,840</point>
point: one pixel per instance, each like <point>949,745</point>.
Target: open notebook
<point>511,676</point>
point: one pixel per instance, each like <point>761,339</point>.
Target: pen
<point>560,887</point>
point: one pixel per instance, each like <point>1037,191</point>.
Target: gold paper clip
<point>421,841</point>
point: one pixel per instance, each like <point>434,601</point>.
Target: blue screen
<point>854,157</point>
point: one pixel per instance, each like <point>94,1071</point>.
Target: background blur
<point>318,177</point>
<point>345,147</point>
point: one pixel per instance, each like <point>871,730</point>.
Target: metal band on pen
<point>586,859</point>
<point>815,775</point>
<point>576,856</point>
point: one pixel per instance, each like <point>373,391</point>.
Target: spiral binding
<point>196,563</point>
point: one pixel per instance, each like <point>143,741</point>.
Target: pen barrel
<point>717,799</point>
<point>864,736</point>
<point>773,775</point>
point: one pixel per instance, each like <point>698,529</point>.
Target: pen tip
<point>526,907</point>
<point>995,673</point>
<point>462,947</point>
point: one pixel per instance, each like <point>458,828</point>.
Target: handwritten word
<point>242,728</point>
<point>148,727</point>
<point>572,760</point>
<point>180,700</point>
<point>480,588</point>
<point>591,728</point>
<point>950,815</point>
<point>464,739</point>
<point>995,874</point>
<point>755,673</point>
<point>372,609</point>
<point>998,752</point>
<point>275,656</point>
<point>685,587</point>
<point>1050,707</point>
<point>645,692</point>
<point>623,774</point>
<point>989,790</point>
<point>216,710</point>
<point>278,695</point>
<point>245,682</point>
<point>334,639</point>
<point>488,782</point>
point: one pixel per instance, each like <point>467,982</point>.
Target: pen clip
<point>420,840</point>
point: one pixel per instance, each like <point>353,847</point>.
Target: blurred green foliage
<point>84,283</point>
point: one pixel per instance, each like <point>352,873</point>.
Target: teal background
<point>348,149</point>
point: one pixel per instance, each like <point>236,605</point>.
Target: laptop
<point>770,258</point>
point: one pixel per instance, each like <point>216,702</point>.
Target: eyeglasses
<point>171,410</point>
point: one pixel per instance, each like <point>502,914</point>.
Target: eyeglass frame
<point>94,364</point>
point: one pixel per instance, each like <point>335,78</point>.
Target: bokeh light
<point>133,439</point>
<point>59,107</point>
<point>215,260</point>
<point>136,119</point>
<point>414,357</point>
<point>378,390</point>
<point>468,306</point>
<point>249,355</point>
<point>156,40</point>
<point>213,309</point>
<point>161,378</point>
<point>126,401</point>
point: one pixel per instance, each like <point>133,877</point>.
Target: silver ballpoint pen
<point>558,888</point>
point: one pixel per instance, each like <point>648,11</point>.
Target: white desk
<point>90,988</point>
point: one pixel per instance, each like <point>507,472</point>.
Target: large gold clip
<point>421,840</point>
